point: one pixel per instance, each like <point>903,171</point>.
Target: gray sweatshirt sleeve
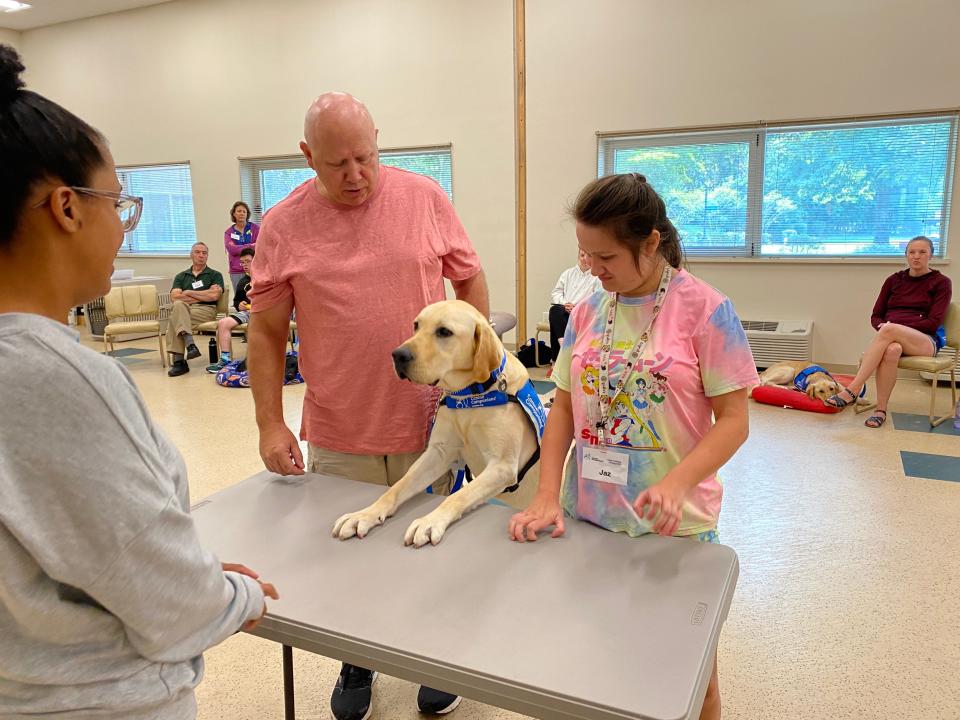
<point>96,495</point>
<point>172,595</point>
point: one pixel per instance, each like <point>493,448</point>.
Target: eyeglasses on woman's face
<point>128,207</point>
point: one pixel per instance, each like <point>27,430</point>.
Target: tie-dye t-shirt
<point>697,350</point>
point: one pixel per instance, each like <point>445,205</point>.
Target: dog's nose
<point>401,358</point>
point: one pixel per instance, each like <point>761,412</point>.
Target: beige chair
<point>132,310</point>
<point>223,309</point>
<point>935,366</point>
<point>291,336</point>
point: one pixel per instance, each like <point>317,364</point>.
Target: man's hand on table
<point>280,450</point>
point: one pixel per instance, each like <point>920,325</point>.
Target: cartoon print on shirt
<point>625,420</point>
<point>590,384</point>
<point>631,422</point>
<point>590,380</point>
<point>639,396</point>
<point>658,391</point>
<point>642,406</point>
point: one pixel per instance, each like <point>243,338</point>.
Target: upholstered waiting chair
<point>937,365</point>
<point>223,309</point>
<point>291,338</point>
<point>132,310</point>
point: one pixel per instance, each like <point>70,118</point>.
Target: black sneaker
<point>192,351</point>
<point>179,367</point>
<point>352,695</point>
<point>436,702</point>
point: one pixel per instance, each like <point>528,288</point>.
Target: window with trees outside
<point>266,181</point>
<point>828,189</point>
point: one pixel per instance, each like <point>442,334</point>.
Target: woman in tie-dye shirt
<point>681,412</point>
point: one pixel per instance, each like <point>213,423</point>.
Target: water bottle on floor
<point>213,352</point>
<point>956,417</point>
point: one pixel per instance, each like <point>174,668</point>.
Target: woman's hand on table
<point>540,514</point>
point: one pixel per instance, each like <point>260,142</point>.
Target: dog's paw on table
<point>356,523</point>
<point>428,529</point>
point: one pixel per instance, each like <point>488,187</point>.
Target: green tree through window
<point>831,189</point>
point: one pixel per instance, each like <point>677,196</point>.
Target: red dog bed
<point>790,398</point>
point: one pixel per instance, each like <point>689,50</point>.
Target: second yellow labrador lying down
<point>454,347</point>
<point>803,376</point>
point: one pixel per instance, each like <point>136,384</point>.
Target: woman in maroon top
<point>908,317</point>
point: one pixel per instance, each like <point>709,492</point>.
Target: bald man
<point>358,251</point>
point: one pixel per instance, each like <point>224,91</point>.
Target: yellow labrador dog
<point>455,347</point>
<point>814,380</point>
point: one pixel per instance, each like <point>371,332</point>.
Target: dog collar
<point>481,394</point>
<point>801,380</point>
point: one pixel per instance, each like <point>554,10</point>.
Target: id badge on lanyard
<point>632,362</point>
<point>604,464</point>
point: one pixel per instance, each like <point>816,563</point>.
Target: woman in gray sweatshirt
<point>107,599</point>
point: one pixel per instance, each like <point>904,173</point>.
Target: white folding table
<point>592,625</point>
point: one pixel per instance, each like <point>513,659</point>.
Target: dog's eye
<point>443,332</point>
<point>416,326</point>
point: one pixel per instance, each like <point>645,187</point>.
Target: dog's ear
<point>487,350</point>
<point>812,391</point>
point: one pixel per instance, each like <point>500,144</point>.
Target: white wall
<point>166,83</point>
<point>620,65</point>
<point>10,37</point>
<point>176,82</point>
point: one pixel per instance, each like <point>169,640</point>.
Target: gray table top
<point>595,624</point>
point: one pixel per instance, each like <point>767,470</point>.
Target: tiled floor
<point>847,602</point>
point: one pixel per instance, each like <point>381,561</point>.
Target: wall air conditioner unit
<point>774,340</point>
<point>944,354</point>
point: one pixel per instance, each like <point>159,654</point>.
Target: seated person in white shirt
<point>574,285</point>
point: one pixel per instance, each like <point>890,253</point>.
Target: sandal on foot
<point>838,402</point>
<point>878,418</point>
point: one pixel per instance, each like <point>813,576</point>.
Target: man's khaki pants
<point>183,318</point>
<point>375,469</point>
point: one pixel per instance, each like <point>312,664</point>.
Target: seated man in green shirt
<point>194,293</point>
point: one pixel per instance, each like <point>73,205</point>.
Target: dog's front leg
<point>431,527</point>
<point>427,469</point>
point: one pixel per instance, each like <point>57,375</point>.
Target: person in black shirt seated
<point>240,317</point>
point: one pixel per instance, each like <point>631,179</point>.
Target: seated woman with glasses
<point>908,317</point>
<point>107,598</point>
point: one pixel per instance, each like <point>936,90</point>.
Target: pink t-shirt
<point>697,350</point>
<point>359,276</point>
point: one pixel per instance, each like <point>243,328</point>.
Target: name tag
<point>235,236</point>
<point>605,465</point>
<point>197,285</point>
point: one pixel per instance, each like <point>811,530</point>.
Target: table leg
<point>288,707</point>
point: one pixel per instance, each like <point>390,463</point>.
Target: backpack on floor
<point>234,374</point>
<point>529,353</point>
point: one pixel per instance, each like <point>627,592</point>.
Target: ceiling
<point>50,12</point>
